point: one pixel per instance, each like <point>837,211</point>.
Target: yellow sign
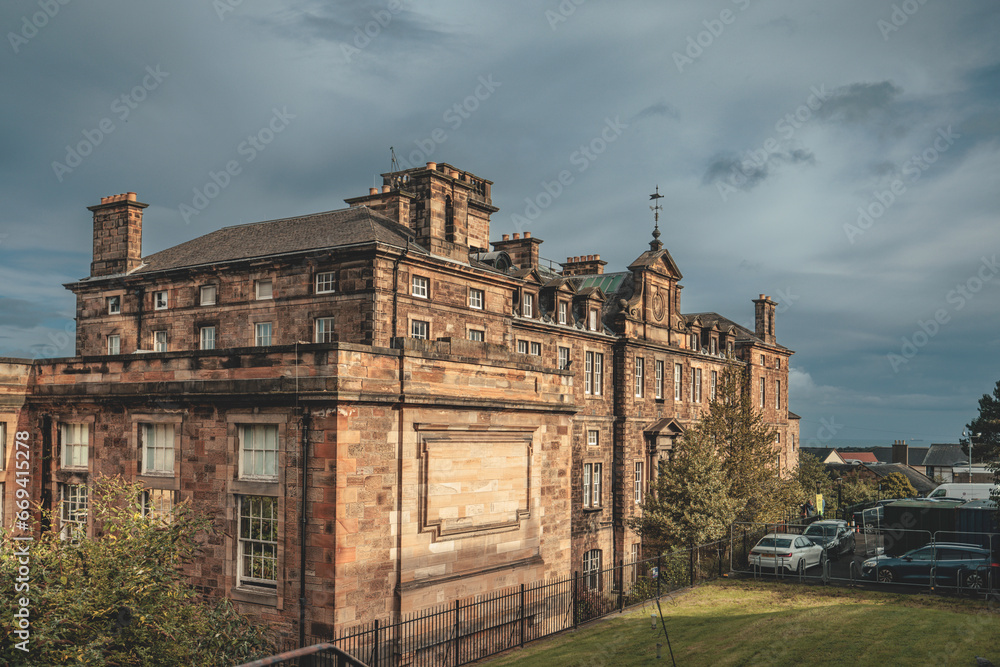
<point>820,506</point>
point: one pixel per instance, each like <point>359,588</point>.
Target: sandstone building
<point>382,408</point>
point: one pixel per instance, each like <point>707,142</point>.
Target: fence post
<point>576,577</point>
<point>375,652</point>
<point>721,549</point>
<point>621,585</point>
<point>691,562</point>
<point>458,660</point>
<point>658,571</point>
<point>522,615</point>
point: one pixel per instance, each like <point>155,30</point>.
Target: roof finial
<point>656,244</point>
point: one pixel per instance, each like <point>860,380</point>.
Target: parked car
<point>834,535</point>
<point>795,553</point>
<point>966,564</point>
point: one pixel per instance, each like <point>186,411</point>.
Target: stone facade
<point>381,414</point>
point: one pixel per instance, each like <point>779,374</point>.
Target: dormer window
<point>592,321</point>
<point>714,343</point>
<point>528,305</point>
<point>562,312</point>
<point>207,296</point>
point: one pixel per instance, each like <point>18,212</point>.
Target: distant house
<point>861,457</point>
<point>922,483</point>
<point>824,454</point>
<point>949,463</point>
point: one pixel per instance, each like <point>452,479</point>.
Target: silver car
<point>794,553</point>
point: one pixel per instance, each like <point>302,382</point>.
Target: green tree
<point>897,485</point>
<point>986,446</point>
<point>746,446</point>
<point>690,502</point>
<point>120,598</point>
<point>725,470</point>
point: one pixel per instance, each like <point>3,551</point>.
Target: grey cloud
<point>21,314</point>
<point>658,109</point>
<point>746,172</point>
<point>858,102</point>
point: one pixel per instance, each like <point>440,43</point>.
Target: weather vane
<point>656,208</point>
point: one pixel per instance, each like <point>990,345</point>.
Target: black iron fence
<point>465,631</point>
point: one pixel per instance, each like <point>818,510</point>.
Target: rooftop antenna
<point>394,164</point>
<point>655,244</point>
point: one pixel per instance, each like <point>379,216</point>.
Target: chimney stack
<point>583,265</point>
<point>117,234</point>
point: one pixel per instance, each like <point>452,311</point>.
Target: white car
<point>794,553</point>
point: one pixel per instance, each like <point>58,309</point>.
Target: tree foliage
<point>725,469</point>
<point>746,445</point>
<point>690,503</point>
<point>897,485</point>
<point>986,447</point>
<point>120,598</point>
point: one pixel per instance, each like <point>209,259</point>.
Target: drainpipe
<point>140,294</point>
<point>305,423</point>
<point>395,286</point>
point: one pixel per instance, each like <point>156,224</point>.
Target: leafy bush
<point>120,598</point>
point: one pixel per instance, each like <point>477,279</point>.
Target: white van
<point>962,491</point>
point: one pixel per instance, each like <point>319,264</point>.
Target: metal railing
<point>465,631</point>
<point>319,655</point>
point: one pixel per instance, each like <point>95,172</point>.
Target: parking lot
<point>846,570</point>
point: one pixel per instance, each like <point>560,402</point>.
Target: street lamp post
<point>969,436</point>
<point>840,497</point>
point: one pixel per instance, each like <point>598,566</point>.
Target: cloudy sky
<point>840,157</point>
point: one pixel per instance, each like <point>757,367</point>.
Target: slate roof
<point>944,455</point>
<point>724,323</point>
<point>343,227</point>
<point>921,482</point>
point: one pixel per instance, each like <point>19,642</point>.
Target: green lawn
<point>735,622</point>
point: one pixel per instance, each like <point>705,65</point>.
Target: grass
<point>736,622</point>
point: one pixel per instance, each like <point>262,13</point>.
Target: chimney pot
<point>131,196</point>
<point>527,235</point>
<point>506,237</point>
<point>373,191</point>
<point>386,188</point>
<point>432,165</point>
<point>516,236</point>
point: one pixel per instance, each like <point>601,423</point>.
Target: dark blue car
<point>968,565</point>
